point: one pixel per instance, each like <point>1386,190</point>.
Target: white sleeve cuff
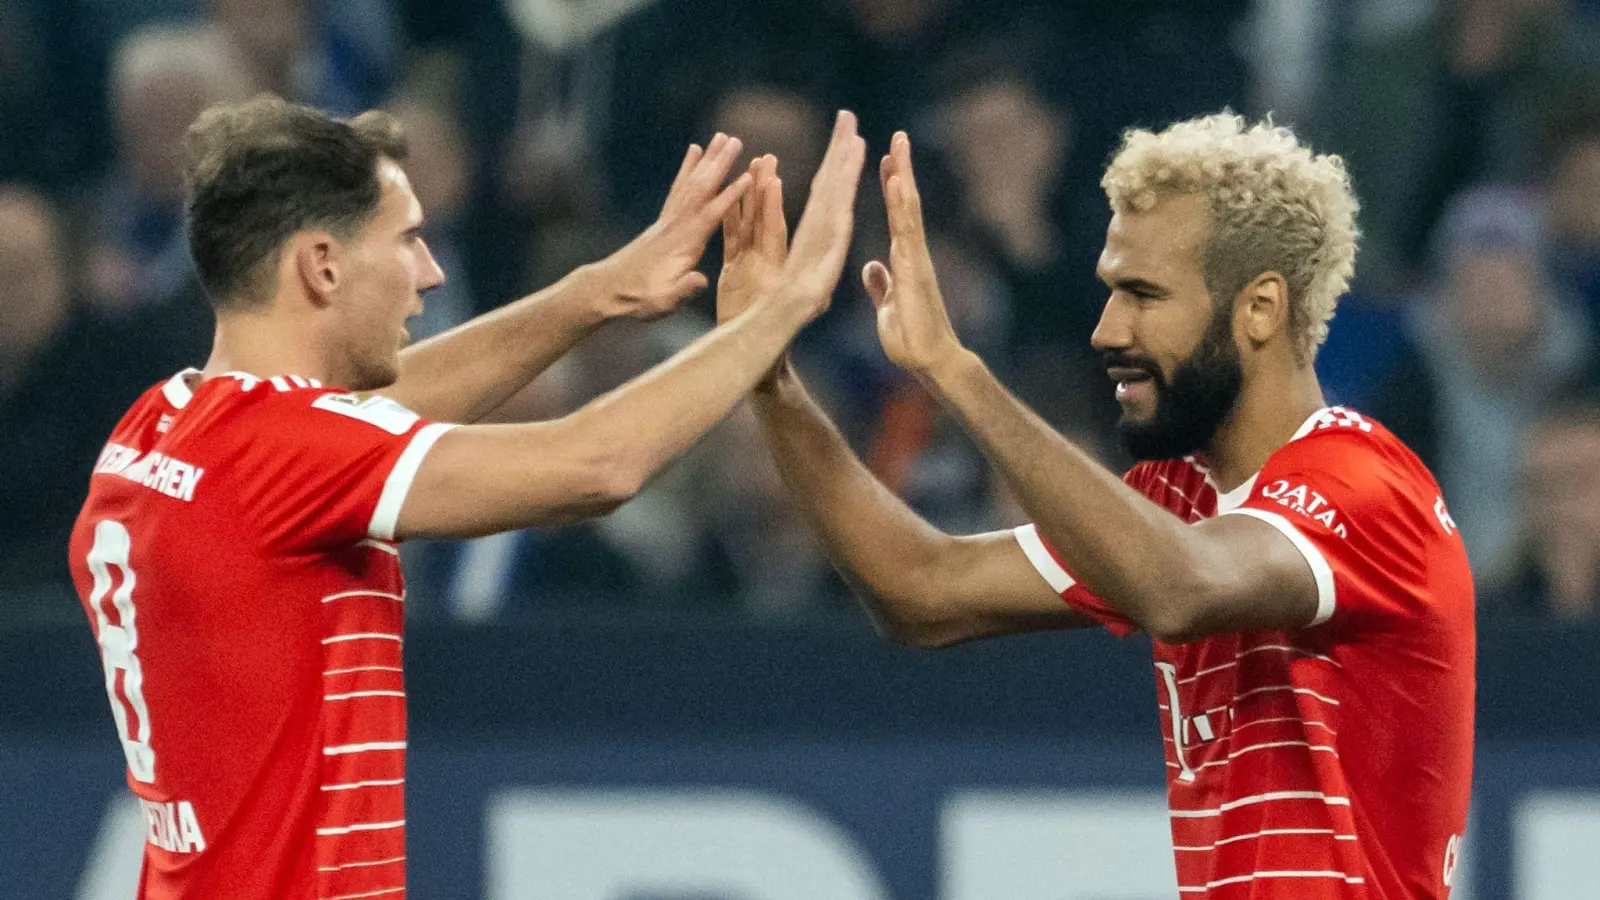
<point>1314,558</point>
<point>1033,547</point>
<point>387,515</point>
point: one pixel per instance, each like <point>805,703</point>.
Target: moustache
<point>1118,359</point>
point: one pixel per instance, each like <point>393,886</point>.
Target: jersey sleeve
<point>336,468</point>
<point>1055,571</point>
<point>1364,515</point>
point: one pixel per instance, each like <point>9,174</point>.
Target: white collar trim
<point>1231,500</point>
<point>177,388</point>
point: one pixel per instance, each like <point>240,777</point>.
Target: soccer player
<point>1304,585</point>
<point>237,550</point>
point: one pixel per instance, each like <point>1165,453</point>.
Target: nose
<point>432,275</point>
<point>1114,331</point>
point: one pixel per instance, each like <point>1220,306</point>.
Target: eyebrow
<point>1135,286</point>
<point>415,230</point>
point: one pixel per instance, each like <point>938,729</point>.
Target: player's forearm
<point>647,422</point>
<point>466,372</point>
<point>1139,558</point>
<point>888,552</point>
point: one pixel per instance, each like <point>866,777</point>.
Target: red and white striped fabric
<point>1334,760</point>
<point>237,562</point>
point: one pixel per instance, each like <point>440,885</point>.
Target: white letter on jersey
<point>601,845</point>
<point>190,840</point>
<point>119,645</point>
<point>1443,515</point>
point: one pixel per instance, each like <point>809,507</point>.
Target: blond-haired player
<point>1307,594</point>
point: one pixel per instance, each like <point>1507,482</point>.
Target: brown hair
<point>256,173</point>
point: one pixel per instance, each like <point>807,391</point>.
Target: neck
<point>267,342</point>
<point>1269,412</point>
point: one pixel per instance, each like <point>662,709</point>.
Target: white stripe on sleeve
<point>387,514</point>
<point>1314,558</point>
<point>1038,554</point>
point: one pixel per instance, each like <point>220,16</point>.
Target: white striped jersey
<point>236,559</point>
<point>1333,760</point>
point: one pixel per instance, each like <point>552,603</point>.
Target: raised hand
<point>755,242</point>
<point>653,275</point>
<point>913,325</point>
<point>822,238</point>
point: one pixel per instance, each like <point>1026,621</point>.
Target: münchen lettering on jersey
<point>153,470</point>
<point>236,558</point>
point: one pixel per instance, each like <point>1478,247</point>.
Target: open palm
<point>657,271</point>
<point>913,324</point>
<point>755,242</point>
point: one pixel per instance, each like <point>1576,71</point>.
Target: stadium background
<point>680,702</point>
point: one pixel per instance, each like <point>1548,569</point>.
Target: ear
<point>316,257</point>
<point>1262,308</point>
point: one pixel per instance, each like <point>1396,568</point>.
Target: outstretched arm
<point>482,479</point>
<point>1177,581</point>
<point>920,585</point>
<point>466,372</point>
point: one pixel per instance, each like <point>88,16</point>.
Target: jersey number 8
<point>119,645</point>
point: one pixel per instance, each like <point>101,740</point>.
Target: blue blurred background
<point>691,660</point>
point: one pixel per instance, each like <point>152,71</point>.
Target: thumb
<point>877,280</point>
<point>689,284</point>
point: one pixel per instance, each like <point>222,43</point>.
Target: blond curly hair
<point>1274,205</point>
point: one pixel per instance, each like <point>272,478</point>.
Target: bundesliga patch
<point>375,410</point>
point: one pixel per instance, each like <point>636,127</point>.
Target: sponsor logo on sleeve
<point>1307,502</point>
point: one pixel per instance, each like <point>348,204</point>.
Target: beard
<point>1194,403</point>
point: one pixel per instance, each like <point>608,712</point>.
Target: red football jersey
<point>235,556</point>
<point>1332,760</point>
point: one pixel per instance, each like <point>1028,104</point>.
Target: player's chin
<point>1138,410</point>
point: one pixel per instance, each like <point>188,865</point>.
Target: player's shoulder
<point>294,403</point>
<point>150,406</point>
<point>1347,440</point>
<point>1339,446</point>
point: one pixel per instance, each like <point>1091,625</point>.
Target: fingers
<point>900,191</point>
<point>876,279</point>
<point>690,158</point>
<point>690,284</point>
<point>750,206</point>
<point>733,231</point>
<point>712,169</point>
<point>701,174</point>
<point>825,225</point>
<point>885,169</point>
<point>722,206</point>
<point>770,229</point>
<point>846,153</point>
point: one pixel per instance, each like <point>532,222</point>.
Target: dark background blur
<point>544,133</point>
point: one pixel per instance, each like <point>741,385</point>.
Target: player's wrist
<point>594,294</point>
<point>779,378</point>
<point>946,370</point>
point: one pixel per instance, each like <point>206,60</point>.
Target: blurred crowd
<point>544,133</point>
